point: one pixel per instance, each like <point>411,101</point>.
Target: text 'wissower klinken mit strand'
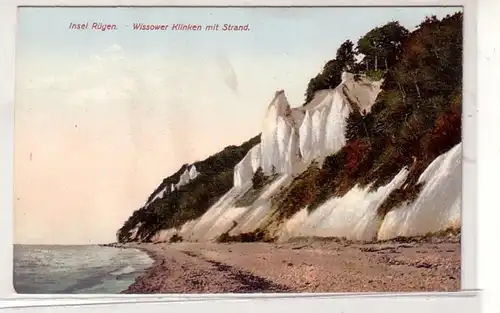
<point>100,26</point>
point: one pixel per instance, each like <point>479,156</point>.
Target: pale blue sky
<point>308,32</point>
<point>102,117</point>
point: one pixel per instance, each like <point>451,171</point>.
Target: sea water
<point>76,269</point>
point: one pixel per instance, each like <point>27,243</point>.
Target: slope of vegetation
<point>189,201</point>
<point>416,117</point>
<point>259,182</point>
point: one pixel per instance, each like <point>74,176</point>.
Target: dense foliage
<point>381,48</point>
<point>190,201</point>
<point>416,117</point>
<point>329,78</point>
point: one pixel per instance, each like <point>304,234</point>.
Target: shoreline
<point>425,263</point>
<point>137,246</point>
<point>155,260</point>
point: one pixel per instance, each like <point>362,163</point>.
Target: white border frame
<point>465,301</point>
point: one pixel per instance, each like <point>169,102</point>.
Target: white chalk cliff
<point>291,139</point>
<point>186,177</point>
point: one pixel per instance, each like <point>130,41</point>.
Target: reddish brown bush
<point>357,151</point>
<point>446,133</point>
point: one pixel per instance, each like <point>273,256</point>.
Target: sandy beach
<point>304,265</point>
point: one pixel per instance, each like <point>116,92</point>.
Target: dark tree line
<point>380,48</point>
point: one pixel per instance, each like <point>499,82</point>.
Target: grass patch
<point>449,232</point>
<point>259,182</point>
<point>375,75</point>
<point>258,235</point>
<point>406,194</point>
<point>248,197</point>
<point>299,193</point>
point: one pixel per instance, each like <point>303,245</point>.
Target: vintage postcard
<point>238,150</point>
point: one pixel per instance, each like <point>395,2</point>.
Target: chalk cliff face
<point>438,204</point>
<point>291,139</point>
<point>186,177</point>
<point>355,214</point>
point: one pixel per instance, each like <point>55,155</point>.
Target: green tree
<point>393,36</point>
<point>346,55</point>
<point>259,179</point>
<point>329,78</point>
<point>382,44</point>
<point>370,46</point>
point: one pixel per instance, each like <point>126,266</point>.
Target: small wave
<point>125,270</point>
<point>82,269</point>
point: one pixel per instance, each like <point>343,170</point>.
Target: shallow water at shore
<point>76,269</point>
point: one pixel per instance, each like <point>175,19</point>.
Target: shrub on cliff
<point>176,238</point>
<point>259,182</point>
<point>259,179</point>
<point>255,236</point>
